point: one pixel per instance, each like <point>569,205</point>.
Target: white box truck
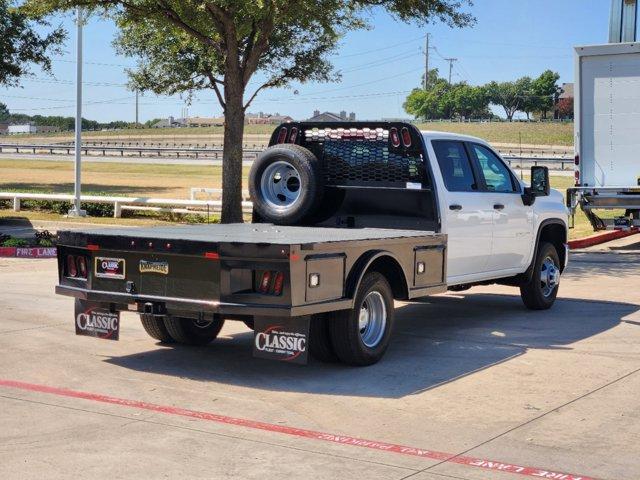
<point>607,134</point>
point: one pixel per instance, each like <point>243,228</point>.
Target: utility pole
<point>76,211</point>
<point>426,63</point>
<point>137,92</point>
<point>451,61</point>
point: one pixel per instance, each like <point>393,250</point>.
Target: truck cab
<point>492,227</point>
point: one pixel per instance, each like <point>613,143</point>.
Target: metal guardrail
<point>202,207</point>
<point>216,153</point>
<point>196,152</point>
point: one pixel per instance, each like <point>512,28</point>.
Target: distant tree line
<point>63,123</point>
<point>441,99</point>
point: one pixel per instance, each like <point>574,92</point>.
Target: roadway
<point>473,387</point>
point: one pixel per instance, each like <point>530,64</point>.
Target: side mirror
<point>540,185</point>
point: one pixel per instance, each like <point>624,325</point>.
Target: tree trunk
<point>232,156</point>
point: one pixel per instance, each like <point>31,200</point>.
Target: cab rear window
<point>455,166</point>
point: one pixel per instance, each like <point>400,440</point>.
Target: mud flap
<point>95,320</point>
<point>283,339</point>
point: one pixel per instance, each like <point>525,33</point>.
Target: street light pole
<point>76,211</point>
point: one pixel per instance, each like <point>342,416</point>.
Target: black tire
<point>310,184</point>
<point>320,346</point>
<point>156,328</point>
<point>345,332</point>
<point>533,292</point>
<point>193,332</point>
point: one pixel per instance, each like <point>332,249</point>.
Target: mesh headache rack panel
<point>376,156</point>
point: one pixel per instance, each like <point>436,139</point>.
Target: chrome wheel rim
<point>202,323</point>
<point>280,185</point>
<point>549,276</point>
<point>372,319</point>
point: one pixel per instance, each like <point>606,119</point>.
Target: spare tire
<point>286,184</point>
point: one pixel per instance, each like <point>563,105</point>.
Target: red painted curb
<point>300,432</point>
<point>28,252</point>
<point>601,238</point>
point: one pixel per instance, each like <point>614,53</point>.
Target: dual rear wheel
<point>189,331</point>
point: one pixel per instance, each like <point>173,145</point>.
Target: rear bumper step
<point>185,304</point>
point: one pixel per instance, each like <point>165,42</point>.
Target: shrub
<point>15,242</point>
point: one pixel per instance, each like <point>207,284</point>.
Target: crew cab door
<point>512,220</point>
<point>467,213</point>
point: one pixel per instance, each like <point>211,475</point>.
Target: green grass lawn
<point>543,134</point>
<point>517,132</point>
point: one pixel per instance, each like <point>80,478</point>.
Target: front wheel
<point>191,331</point>
<point>361,336</point>
<point>541,291</point>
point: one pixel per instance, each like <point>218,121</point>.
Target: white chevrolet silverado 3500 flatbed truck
<point>348,217</point>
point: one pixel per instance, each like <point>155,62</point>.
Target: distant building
<point>204,122</point>
<point>47,129</point>
<point>266,119</point>
<point>31,128</point>
<point>20,129</point>
<point>563,109</point>
<point>169,123</point>
<point>332,117</point>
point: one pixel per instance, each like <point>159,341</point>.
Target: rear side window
<point>455,166</point>
<point>496,174</point>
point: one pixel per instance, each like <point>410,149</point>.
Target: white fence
<point>200,207</point>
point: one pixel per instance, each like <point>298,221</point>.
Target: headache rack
<point>376,174</point>
<point>362,154</point>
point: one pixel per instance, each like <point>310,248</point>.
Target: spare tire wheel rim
<point>280,185</point>
<point>372,319</point>
<point>549,276</point>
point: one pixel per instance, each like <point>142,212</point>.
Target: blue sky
<point>512,38</point>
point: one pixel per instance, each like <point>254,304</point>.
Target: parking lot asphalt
<point>473,387</point>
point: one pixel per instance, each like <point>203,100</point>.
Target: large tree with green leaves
<point>189,45</point>
<point>22,43</point>
<point>511,96</point>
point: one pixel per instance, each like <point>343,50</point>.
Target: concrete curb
<point>601,238</point>
<point>28,252</point>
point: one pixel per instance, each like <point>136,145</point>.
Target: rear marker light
<point>93,247</point>
<point>314,280</point>
<point>212,255</point>
<point>395,138</point>
<point>282,135</point>
<point>576,160</point>
<point>406,137</point>
<point>421,268</point>
<point>72,269</point>
<point>576,174</point>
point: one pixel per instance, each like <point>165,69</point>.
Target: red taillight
<point>265,281</point>
<point>294,135</point>
<point>395,137</point>
<point>406,137</point>
<point>72,269</point>
<point>81,263</point>
<point>576,174</point>
<point>282,135</point>
<point>277,283</point>
<point>269,282</point>
<point>576,160</point>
